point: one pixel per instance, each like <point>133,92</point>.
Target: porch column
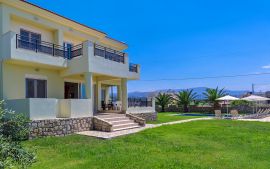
<point>98,88</point>
<point>88,84</point>
<point>107,94</point>
<point>4,19</point>
<point>124,94</point>
<point>119,93</point>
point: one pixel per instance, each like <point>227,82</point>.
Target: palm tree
<point>213,94</point>
<point>185,98</point>
<point>163,99</point>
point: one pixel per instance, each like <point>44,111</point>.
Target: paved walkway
<point>267,119</point>
<point>109,135</point>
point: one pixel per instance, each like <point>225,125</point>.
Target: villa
<point>60,73</point>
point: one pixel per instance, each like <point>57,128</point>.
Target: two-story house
<point>53,67</point>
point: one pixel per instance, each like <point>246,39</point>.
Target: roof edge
<point>86,26</point>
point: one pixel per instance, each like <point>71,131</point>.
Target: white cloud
<point>266,67</point>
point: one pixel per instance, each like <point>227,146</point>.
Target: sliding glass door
<point>36,88</point>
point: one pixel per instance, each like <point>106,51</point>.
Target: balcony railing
<point>140,102</point>
<point>133,67</point>
<point>109,54</point>
<point>48,48</point>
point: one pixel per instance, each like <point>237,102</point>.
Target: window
<point>36,88</point>
<point>30,40</point>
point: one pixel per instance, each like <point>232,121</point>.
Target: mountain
<point>198,90</point>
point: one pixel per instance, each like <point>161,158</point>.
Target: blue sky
<point>181,39</point>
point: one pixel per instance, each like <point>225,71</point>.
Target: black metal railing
<point>77,50</point>
<point>140,102</point>
<point>133,67</point>
<point>109,54</point>
<point>48,48</point>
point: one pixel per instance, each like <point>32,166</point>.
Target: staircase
<point>114,122</point>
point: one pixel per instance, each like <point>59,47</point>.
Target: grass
<point>170,116</point>
<point>217,144</point>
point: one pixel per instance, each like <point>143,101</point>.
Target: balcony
<point>133,67</point>
<point>109,54</point>
<point>48,48</point>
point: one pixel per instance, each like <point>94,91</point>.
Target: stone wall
<point>59,127</point>
<point>101,125</point>
<point>149,116</point>
<point>137,119</point>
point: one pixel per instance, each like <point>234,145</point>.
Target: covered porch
<point>110,94</point>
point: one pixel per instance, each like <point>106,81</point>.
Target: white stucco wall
<point>41,109</point>
<point>34,109</point>
<point>74,108</point>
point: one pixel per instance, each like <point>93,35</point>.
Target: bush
<point>13,129</point>
<point>240,103</point>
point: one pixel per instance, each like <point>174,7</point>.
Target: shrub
<point>13,129</point>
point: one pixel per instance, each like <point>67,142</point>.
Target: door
<point>68,47</point>
<point>72,90</point>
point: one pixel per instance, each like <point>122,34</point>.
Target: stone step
<point>126,121</point>
<point>111,116</point>
<point>111,119</point>
<point>124,126</point>
<point>118,121</point>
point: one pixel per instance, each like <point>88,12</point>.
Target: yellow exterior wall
<point>46,35</point>
<point>14,81</point>
<point>73,39</point>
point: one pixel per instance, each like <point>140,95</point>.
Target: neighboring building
<point>53,67</point>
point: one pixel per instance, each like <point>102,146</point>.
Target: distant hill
<point>198,90</point>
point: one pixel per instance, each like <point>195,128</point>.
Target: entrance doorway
<point>72,90</point>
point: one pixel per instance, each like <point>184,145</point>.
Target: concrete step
<point>112,119</point>
<point>111,115</point>
<point>126,121</point>
<point>124,126</point>
<point>119,121</point>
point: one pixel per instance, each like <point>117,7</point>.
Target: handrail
<point>109,53</point>
<point>47,47</point>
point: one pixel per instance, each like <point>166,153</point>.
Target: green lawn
<point>170,116</point>
<point>194,145</point>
